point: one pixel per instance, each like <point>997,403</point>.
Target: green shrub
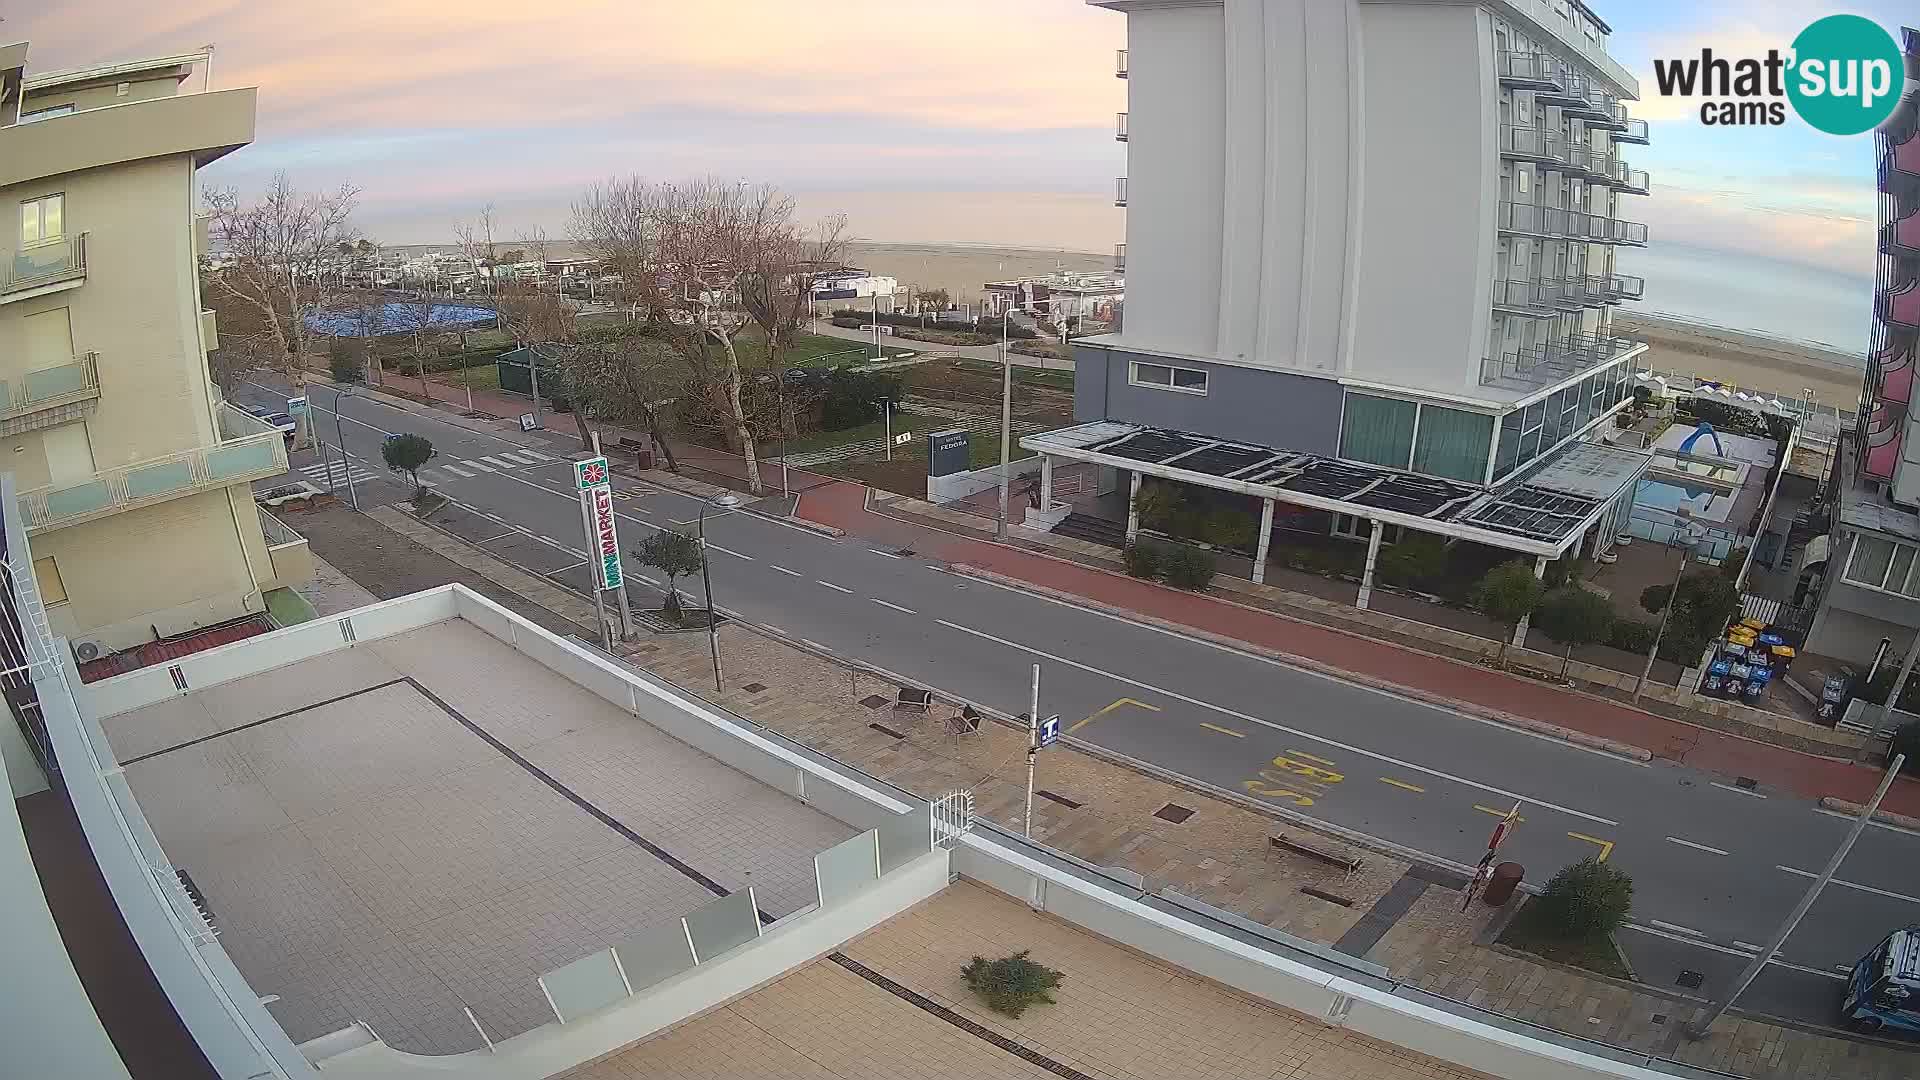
<point>1417,557</point>
<point>1144,559</point>
<point>1189,568</point>
<point>1235,530</point>
<point>1156,504</point>
<point>1586,899</point>
<point>1011,984</point>
<point>1631,635</point>
<point>343,361</point>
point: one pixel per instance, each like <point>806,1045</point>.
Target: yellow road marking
<point>1402,784</point>
<point>1606,846</point>
<point>1110,708</point>
<point>1497,813</point>
<point>1309,757</point>
<point>1223,731</point>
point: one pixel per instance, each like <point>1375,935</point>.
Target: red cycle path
<point>843,505</point>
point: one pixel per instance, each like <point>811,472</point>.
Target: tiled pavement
<point>371,858</point>
<point>1116,1016</point>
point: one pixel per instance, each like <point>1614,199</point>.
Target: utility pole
<point>1699,1028</point>
<point>1006,425</point>
<point>886,412</point>
<point>875,297</point>
<point>1033,749</point>
<point>346,465</point>
<point>1899,684</point>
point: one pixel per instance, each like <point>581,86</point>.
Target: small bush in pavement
<point>1012,983</point>
<point>1143,559</point>
<point>1586,899</point>
<point>1189,568</point>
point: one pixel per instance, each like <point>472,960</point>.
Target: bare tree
<point>275,250</point>
<point>778,292</point>
<point>477,243</point>
<point>683,251</point>
<point>631,379</point>
<point>539,321</point>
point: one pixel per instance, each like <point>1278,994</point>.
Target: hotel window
<point>40,221</point>
<point>1452,443</point>
<point>1883,564</point>
<point>1168,377</point>
<point>1354,527</point>
<point>1377,430</point>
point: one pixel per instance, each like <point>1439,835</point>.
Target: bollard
<point>1506,878</point>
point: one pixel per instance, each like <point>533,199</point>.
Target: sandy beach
<point>964,270</point>
<point>1751,361</point>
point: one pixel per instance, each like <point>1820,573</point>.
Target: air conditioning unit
<point>85,651</point>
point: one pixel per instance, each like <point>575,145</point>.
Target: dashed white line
<point>1747,945</point>
<point>1694,846</point>
<point>883,554</point>
<point>457,470</point>
<point>895,607</point>
<point>1296,732</point>
<point>784,570</point>
<point>495,517</point>
<point>496,461</point>
<point>1735,790</point>
<point>831,585</point>
<point>730,551</point>
<point>477,465</point>
<point>1875,824</point>
<point>1677,928</point>
<point>1853,885</point>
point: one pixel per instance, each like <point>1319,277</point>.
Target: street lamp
<point>727,502</point>
<point>1686,541</point>
<point>1006,415</point>
<point>346,463</point>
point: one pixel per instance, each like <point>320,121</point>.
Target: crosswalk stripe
<point>536,455</point>
<point>471,464</point>
<point>457,470</point>
<point>520,458</point>
<point>501,464</point>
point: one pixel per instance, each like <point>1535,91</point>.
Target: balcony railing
<point>250,450</point>
<point>1551,221</point>
<point>1590,103</point>
<point>276,531</point>
<point>1532,144</point>
<point>1626,179</point>
<point>1120,127</point>
<point>1538,365</point>
<point>1625,287</point>
<point>1120,191</point>
<point>1120,63</point>
<point>50,388</point>
<point>1532,71</point>
<point>1625,232</point>
<point>1528,298</point>
<point>1631,130</point>
<point>46,264</point>
<point>1119,256</point>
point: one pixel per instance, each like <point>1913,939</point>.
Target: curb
<point>1854,809</point>
<point>1524,723</point>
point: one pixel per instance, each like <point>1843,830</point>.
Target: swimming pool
<point>1706,503</point>
<point>395,318</point>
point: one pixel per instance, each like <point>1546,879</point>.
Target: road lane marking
<point>1735,790</point>
<point>1856,817</point>
<point>1298,733</point>
<point>1694,846</point>
<point>1123,701</point>
<point>1223,731</point>
<point>883,554</point>
<point>1677,928</point>
<point>784,570</point>
<point>730,551</point>
<point>519,458</point>
<point>1747,945</point>
<point>502,536</point>
<point>1606,846</point>
<point>1403,785</point>
<point>831,585</point>
<point>457,470</point>
<point>895,607</point>
<point>477,465</point>
<point>815,644</point>
<point>1496,812</point>
<point>499,463</point>
<point>1889,893</point>
<point>1309,757</point>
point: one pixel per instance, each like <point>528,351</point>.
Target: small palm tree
<point>676,555</point>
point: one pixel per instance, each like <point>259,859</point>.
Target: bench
<point>632,446</point>
<point>912,697</point>
<point>1347,863</point>
<point>967,722</point>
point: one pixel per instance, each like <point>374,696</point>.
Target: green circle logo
<point>1846,76</point>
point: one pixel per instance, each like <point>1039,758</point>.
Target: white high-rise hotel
<point>1374,231</point>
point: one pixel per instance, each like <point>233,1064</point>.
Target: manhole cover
<point>1174,812</point>
<point>754,687</point>
<point>1658,1018</point>
<point>1061,799</point>
<point>1745,783</point>
<point>1691,979</point>
<point>875,701</point>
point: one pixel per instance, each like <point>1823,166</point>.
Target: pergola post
<point>1133,505</point>
<point>1520,631</point>
<point>1046,482</point>
<point>1260,550</point>
<point>1373,559</point>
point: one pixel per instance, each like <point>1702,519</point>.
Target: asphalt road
<point>1714,866</point>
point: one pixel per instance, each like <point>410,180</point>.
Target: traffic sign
<point>903,438</point>
<point>296,406</point>
<point>1049,731</point>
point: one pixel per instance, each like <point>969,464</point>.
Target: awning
<point>1543,512</point>
<point>1815,552</point>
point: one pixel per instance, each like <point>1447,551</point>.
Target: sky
<point>976,121</point>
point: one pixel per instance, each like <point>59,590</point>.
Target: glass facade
<point>1453,443</point>
<point>1378,430</point>
<point>1528,432</point>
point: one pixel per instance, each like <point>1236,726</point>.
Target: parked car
<point>282,421</point>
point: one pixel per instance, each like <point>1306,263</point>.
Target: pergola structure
<point>1544,512</point>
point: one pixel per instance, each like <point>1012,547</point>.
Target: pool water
<point>1664,495</point>
<point>395,318</point>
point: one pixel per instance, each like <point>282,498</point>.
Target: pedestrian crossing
<point>332,474</point>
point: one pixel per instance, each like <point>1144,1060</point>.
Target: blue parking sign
<point>1049,730</point>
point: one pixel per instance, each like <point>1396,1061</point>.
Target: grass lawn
<point>1529,933</point>
<point>811,350</point>
<point>483,377</point>
<point>1057,380</point>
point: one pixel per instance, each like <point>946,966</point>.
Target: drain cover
<point>884,730</point>
<point>754,687</point>
<point>1691,979</point>
<point>1173,812</point>
<point>1745,783</point>
<point>1331,898</point>
<point>875,701</point>
<point>1658,1018</point>
<point>1061,799</point>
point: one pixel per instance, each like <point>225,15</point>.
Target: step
<point>1094,530</point>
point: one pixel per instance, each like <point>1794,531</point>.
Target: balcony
<point>1624,287</point>
<point>1119,257</point>
<point>206,126</point>
<point>1120,191</point>
<point>1571,93</point>
<point>1521,142</point>
<point>1568,293</point>
<point>250,449</point>
<point>1621,178</point>
<point>1631,233</point>
<point>1531,71</point>
<point>1615,118</point>
<point>1594,105</point>
<point>45,268</point>
<point>288,553</point>
<point>1631,131</point>
<point>48,388</point>
<point>1551,222</point>
<point>1528,299</point>
<point>1535,366</point>
<point>1120,63</point>
<point>1119,127</point>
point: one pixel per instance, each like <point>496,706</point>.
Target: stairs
<point>1092,529</point>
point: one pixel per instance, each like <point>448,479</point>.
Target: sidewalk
<point>1216,854</point>
<point>843,506</point>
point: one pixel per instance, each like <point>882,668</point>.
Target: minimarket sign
<point>598,502</point>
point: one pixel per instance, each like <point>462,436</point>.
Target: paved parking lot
<point>391,831</point>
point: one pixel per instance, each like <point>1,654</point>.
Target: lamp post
<point>1686,545</point>
<point>346,463</point>
<point>1006,416</point>
<point>727,502</point>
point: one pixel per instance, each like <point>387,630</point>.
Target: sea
<point>1753,294</point>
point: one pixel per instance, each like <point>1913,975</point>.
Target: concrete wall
<point>1272,408</point>
<point>954,486</point>
<point>171,567</point>
<point>1851,623</point>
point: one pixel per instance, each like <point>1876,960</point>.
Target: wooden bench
<point>1347,863</point>
<point>632,446</point>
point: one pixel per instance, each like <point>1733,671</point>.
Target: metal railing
<point>46,264</point>
<point>1523,140</point>
<point>1119,256</point>
<point>1544,14</point>
<point>1551,221</point>
<point>1631,130</point>
<point>1625,287</point>
<point>1625,232</point>
<point>1550,361</point>
<point>1119,191</point>
<point>50,387</point>
<point>1120,127</point>
<point>247,453</point>
<point>276,532</point>
<point>1526,296</point>
<point>1120,63</point>
<point>1531,69</point>
<point>1620,175</point>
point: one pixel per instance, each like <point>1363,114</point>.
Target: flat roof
<point>1541,512</point>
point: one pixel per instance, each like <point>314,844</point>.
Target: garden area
<point>942,328</point>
